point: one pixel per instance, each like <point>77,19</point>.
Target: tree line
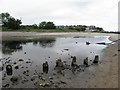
<point>10,22</point>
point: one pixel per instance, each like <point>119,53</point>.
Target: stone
<point>14,79</point>
<point>63,82</point>
<point>87,43</point>
<point>96,59</point>
<point>28,62</point>
<point>73,63</point>
<point>20,60</point>
<point>45,85</point>
<point>66,49</point>
<point>16,67</point>
<point>7,85</point>
<point>102,43</point>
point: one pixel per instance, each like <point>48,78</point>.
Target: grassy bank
<point>40,30</point>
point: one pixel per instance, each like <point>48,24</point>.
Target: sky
<point>101,13</point>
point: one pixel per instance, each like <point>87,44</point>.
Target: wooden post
<point>9,70</point>
<point>73,61</point>
<point>96,59</point>
<point>86,61</point>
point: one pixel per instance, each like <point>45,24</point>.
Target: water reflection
<point>47,42</point>
<point>11,46</point>
<point>8,47</point>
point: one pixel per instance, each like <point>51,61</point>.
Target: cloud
<point>102,13</point>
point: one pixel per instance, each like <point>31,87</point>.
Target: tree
<point>10,22</point>
<point>47,25</point>
<point>42,25</point>
<point>5,17</point>
<point>50,25</point>
<point>34,26</point>
<point>13,23</point>
<point>99,29</point>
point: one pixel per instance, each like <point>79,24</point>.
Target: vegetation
<point>9,23</point>
<point>47,25</point>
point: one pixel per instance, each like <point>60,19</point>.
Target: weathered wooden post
<point>96,59</point>
<point>86,61</point>
<point>59,63</point>
<point>9,70</point>
<point>45,67</point>
<point>73,63</point>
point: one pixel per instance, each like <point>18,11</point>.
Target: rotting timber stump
<point>96,59</point>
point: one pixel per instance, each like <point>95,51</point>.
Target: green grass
<point>41,30</point>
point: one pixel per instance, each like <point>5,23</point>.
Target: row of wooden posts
<point>59,63</point>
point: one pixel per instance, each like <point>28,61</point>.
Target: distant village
<point>91,28</point>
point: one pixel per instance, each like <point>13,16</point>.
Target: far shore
<point>5,35</point>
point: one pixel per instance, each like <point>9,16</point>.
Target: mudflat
<point>104,75</point>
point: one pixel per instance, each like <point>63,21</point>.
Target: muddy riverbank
<point>102,75</point>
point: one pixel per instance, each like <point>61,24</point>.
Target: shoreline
<point>4,35</point>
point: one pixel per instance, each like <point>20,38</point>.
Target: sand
<point>104,75</point>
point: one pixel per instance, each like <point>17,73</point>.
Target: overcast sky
<point>101,13</point>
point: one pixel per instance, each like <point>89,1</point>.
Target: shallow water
<point>34,52</point>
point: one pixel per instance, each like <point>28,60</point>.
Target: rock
<point>96,59</point>
<point>42,78</point>
<point>7,85</point>
<point>50,77</point>
<point>45,67</point>
<point>9,70</point>
<point>24,52</point>
<point>14,79</point>
<point>64,62</point>
<point>16,67</point>
<point>66,49</point>
<point>86,61</point>
<point>63,82</point>
<point>20,60</point>
<point>56,85</point>
<point>102,43</point>
<point>28,62</point>
<point>87,43</point>
<point>59,63</point>
<point>45,85</point>
<point>71,56</point>
<point>73,63</point>
<point>15,63</point>
<point>115,55</point>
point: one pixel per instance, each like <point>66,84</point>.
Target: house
<point>90,28</point>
